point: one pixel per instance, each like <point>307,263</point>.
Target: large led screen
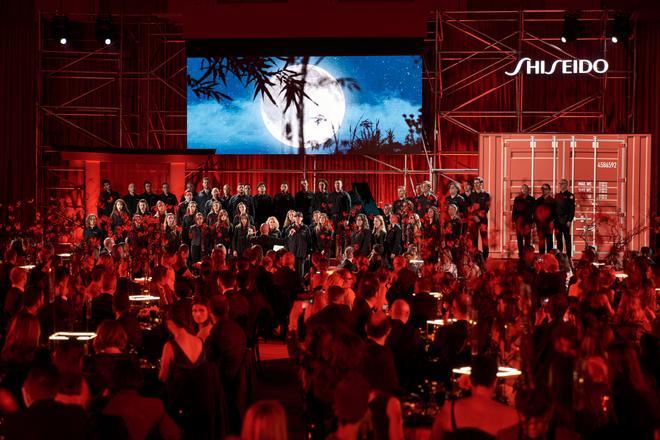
<point>345,104</point>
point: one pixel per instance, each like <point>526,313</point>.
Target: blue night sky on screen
<point>390,86</point>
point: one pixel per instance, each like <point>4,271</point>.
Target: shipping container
<point>610,175</point>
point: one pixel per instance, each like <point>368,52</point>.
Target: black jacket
<point>131,202</point>
<point>565,207</point>
<point>282,203</point>
<point>522,212</point>
<point>320,202</point>
<point>339,204</point>
<point>299,241</point>
<point>304,201</point>
<point>263,208</point>
<point>361,241</point>
<point>394,241</point>
<point>479,205</point>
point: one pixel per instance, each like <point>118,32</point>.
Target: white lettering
<point>606,164</point>
<point>604,65</point>
<point>568,67</point>
<point>585,66</point>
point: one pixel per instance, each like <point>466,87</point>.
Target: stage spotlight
<point>106,31</point>
<point>572,28</point>
<point>622,28</point>
<point>61,29</point>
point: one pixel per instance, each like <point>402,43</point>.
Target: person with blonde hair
<point>265,420</point>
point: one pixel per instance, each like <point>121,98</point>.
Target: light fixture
<point>106,31</point>
<point>61,29</point>
<point>622,28</point>
<point>572,28</point>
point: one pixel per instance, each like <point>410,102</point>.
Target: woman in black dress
<point>188,221</point>
<point>361,235</point>
<point>194,390</point>
<point>240,238</point>
<point>378,235</point>
<point>222,231</point>
<point>324,235</point>
<point>214,213</point>
<point>198,239</point>
<point>120,223</point>
<point>171,238</point>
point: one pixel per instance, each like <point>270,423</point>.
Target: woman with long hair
<point>171,237</point>
<point>202,317</point>
<point>378,234</point>
<point>241,209</point>
<point>361,235</point>
<point>214,214</point>
<point>142,208</point>
<point>265,420</point>
<point>240,237</point>
<point>92,234</point>
<point>119,221</point>
<point>273,227</point>
<point>198,239</point>
<point>188,221</point>
<point>324,235</point>
<point>222,230</point>
<point>194,393</point>
<point>161,212</point>
<point>289,220</point>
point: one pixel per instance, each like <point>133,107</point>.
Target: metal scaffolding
<point>130,94</point>
<point>485,44</point>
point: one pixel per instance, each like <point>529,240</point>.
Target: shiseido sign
<point>565,67</point>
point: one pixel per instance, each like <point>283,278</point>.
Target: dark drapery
<point>18,92</point>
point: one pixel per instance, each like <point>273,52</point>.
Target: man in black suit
<point>150,196</point>
<point>168,198</point>
<point>204,195</point>
<point>263,205</point>
<point>303,201</point>
<point>378,360</point>
<point>522,216</point>
<point>43,417</point>
<point>339,203</point>
<point>405,342</point>
<point>544,216</point>
<point>564,214</point>
<point>131,198</point>
<point>398,204</point>
<point>226,346</point>
<point>335,315</point>
<point>320,197</point>
<point>102,304</point>
<point>283,202</point>
<point>60,314</point>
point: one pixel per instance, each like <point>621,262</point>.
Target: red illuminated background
<point>131,98</point>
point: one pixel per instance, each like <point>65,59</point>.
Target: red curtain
<point>18,91</point>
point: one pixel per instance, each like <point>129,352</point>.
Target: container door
<point>598,215</point>
<point>531,161</point>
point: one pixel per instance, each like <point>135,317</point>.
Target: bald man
<point>405,342</point>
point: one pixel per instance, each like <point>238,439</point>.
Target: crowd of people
<point>352,296</point>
